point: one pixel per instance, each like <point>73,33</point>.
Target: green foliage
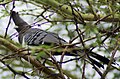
<point>100,32</point>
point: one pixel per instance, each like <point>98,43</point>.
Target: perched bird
<point>34,37</point>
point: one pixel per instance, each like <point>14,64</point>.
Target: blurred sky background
<point>28,18</point>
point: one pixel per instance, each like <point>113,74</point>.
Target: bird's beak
<point>16,28</point>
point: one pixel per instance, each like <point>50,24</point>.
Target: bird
<point>35,37</point>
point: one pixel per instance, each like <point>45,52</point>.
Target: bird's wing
<point>35,36</point>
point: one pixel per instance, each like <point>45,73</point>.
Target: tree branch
<point>68,11</point>
<point>28,58</point>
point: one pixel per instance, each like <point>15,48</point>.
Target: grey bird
<point>34,37</point>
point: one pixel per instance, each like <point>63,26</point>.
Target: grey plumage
<point>35,36</point>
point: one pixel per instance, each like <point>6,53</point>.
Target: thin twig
<point>77,29</point>
<point>12,70</point>
<point>83,72</point>
<point>110,62</point>
<point>57,64</point>
<point>91,8</point>
<point>9,20</point>
<point>102,19</point>
<point>62,56</point>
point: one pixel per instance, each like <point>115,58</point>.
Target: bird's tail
<point>94,58</point>
<point>100,58</point>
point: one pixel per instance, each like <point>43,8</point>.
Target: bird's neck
<point>23,30</point>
